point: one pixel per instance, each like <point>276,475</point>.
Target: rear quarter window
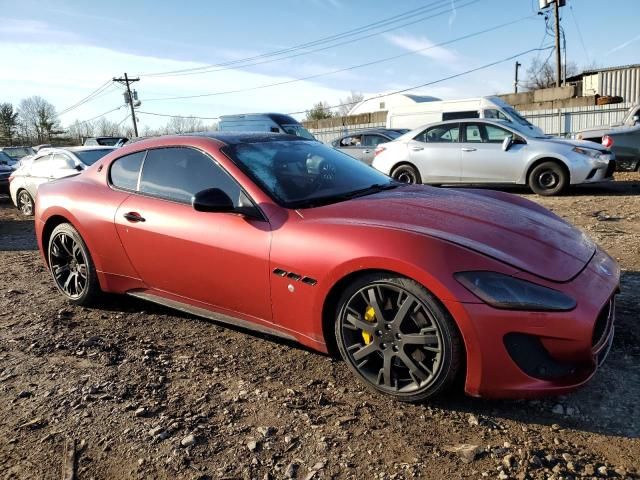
<point>125,171</point>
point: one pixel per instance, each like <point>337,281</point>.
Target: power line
<point>482,67</point>
<point>177,116</point>
<point>101,115</point>
<point>353,67</point>
<point>575,20</point>
<point>433,82</point>
<point>89,97</point>
<point>241,63</point>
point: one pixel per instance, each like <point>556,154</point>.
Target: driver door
<point>219,259</point>
<point>436,153</point>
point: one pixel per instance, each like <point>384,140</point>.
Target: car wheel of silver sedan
<point>25,203</point>
<point>548,178</point>
<point>406,173</point>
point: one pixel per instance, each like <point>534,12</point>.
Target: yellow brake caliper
<point>369,316</point>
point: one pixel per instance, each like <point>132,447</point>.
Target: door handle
<point>134,217</point>
<point>467,149</point>
<point>366,151</point>
<point>417,149</point>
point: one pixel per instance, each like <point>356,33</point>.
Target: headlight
<point>503,291</point>
<point>588,152</point>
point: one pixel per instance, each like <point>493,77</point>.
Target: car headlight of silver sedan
<point>591,153</point>
<point>506,292</point>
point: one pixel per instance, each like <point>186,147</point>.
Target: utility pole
<point>556,12</point>
<point>126,81</point>
<point>515,82</point>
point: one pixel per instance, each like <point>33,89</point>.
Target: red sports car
<point>413,285</point>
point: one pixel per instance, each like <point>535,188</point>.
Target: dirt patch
<point>145,392</point>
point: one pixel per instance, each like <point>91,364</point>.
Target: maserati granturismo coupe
<point>412,285</point>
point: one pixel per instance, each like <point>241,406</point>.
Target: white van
<point>263,122</point>
<point>412,116</point>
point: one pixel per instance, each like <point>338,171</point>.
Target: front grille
<point>610,169</point>
<point>603,326</point>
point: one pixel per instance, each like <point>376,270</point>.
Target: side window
<point>60,162</point>
<point>40,166</point>
<point>179,173</point>
<point>440,134</point>
<point>472,132</point>
<point>496,134</point>
<point>374,140</point>
<point>460,115</point>
<point>495,114</point>
<point>351,141</point>
<point>125,171</point>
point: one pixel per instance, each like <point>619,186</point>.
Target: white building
<point>377,103</point>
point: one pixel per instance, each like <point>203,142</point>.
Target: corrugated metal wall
<point>327,135</point>
<point>623,83</point>
<point>567,121</point>
<point>563,122</point>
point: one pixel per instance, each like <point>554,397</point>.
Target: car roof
<point>382,131</point>
<point>48,150</point>
<point>228,138</point>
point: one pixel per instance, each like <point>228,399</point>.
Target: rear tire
<point>397,338</point>
<point>25,202</point>
<point>406,173</point>
<point>548,178</point>
<point>71,266</point>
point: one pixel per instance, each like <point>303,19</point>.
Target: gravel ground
<point>134,390</point>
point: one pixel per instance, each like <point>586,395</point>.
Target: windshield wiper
<point>315,202</point>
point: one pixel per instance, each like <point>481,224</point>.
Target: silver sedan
<point>481,151</point>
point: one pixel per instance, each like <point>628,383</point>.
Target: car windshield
<point>304,174</point>
<point>5,159</point>
<point>298,131</point>
<point>17,153</point>
<point>89,157</point>
<point>519,118</point>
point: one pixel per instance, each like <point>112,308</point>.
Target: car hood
<point>575,143</point>
<point>508,228</point>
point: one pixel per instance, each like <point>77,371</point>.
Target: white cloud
<point>427,48</point>
<point>454,13</point>
<point>64,73</point>
<point>33,31</point>
<point>624,44</point>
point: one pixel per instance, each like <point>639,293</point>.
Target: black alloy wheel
<point>397,337</point>
<point>25,203</point>
<point>71,265</point>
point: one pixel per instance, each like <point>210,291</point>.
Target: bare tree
<point>183,125</point>
<point>78,131</point>
<point>543,75</point>
<point>347,103</point>
<point>106,128</point>
<point>38,119</point>
<point>8,123</point>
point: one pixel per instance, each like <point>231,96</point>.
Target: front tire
<point>71,266</point>
<point>548,178</point>
<point>406,173</point>
<point>25,203</point>
<point>397,337</point>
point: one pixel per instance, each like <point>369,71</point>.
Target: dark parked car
<point>362,144</point>
<point>622,139</point>
<point>105,141</point>
<point>16,153</point>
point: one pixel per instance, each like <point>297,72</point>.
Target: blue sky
<point>64,50</point>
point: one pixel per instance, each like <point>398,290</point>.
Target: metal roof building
<point>623,81</point>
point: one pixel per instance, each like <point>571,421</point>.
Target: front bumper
<point>512,354</point>
<point>597,172</point>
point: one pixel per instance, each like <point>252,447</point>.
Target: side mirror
<point>636,119</point>
<point>212,200</point>
<point>507,142</point>
<point>79,168</point>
